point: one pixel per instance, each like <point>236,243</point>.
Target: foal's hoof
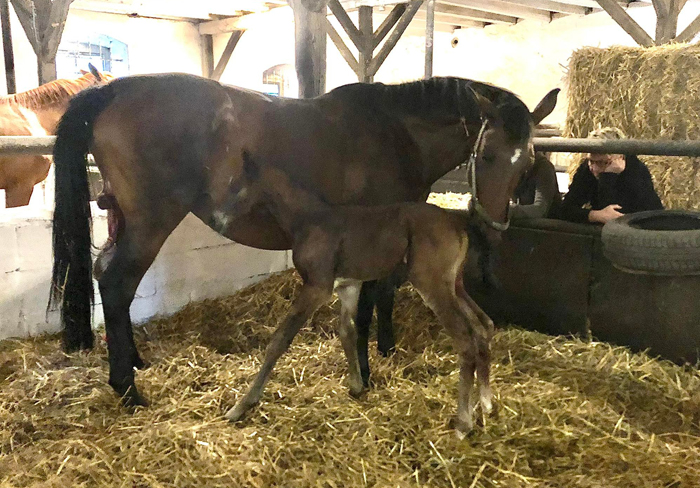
<point>462,428</point>
<point>237,412</point>
<point>356,391</point>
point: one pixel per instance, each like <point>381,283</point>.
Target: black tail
<point>71,283</point>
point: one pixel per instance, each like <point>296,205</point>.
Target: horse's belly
<point>256,230</point>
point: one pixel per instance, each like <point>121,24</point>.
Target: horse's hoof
<point>386,346</point>
<point>140,363</point>
<point>133,399</point>
<point>236,413</point>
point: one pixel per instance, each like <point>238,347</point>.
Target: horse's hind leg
<point>306,303</point>
<point>135,250</point>
<point>349,294</point>
<point>365,310</point>
<point>385,308</point>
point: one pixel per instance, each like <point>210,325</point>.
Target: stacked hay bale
<point>649,93</point>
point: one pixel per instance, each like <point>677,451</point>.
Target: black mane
<point>441,97</point>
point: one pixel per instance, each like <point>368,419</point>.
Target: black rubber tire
<point>659,242</point>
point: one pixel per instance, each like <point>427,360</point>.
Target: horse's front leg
<point>310,298</point>
<point>349,294</point>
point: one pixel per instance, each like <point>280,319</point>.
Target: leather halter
<point>475,206</point>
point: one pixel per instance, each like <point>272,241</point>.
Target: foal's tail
<point>71,283</point>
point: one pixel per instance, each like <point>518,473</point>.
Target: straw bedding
<point>570,413</point>
<point>649,93</point>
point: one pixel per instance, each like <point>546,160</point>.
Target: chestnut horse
<point>35,113</point>
<point>172,144</point>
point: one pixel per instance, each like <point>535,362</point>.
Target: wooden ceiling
<point>449,14</point>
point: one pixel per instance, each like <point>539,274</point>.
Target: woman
<point>607,186</point>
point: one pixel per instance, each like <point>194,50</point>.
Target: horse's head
<point>503,153</point>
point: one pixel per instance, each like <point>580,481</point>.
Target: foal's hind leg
<point>306,303</point>
<point>349,294</point>
<point>483,336</point>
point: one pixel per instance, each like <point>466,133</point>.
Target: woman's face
<point>599,163</point>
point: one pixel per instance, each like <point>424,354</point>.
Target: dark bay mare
<point>172,144</point>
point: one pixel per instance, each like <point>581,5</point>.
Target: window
<point>280,80</point>
<point>104,52</point>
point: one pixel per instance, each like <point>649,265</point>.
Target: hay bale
<point>571,413</point>
<point>649,93</point>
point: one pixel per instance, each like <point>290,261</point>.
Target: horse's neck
<point>49,115</point>
<point>442,149</point>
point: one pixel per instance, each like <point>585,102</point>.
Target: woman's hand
<point>605,215</point>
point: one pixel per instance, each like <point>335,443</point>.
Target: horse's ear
<point>83,72</point>
<point>95,73</point>
<point>486,107</point>
<point>545,106</point>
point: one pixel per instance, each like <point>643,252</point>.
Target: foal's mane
<point>440,97</point>
<point>52,92</point>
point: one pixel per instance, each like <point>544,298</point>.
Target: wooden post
<point>626,22</point>
<point>43,22</point>
<point>226,55</point>
<point>429,37</point>
<point>310,46</point>
<point>365,48</point>
<point>7,47</point>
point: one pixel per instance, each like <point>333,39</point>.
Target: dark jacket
<point>632,189</point>
<point>538,192</point>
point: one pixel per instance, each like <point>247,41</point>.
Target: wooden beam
<point>207,55</point>
<point>394,36</point>
<point>366,47</point>
<point>226,55</point>
<point>442,20</point>
<point>275,16</point>
<point>429,37</point>
<point>345,22</point>
<point>342,48</point>
<point>689,32</point>
<point>551,6</point>
<point>389,22</point>
<point>626,22</point>
<point>7,47</point>
<point>474,14</point>
<point>503,8</point>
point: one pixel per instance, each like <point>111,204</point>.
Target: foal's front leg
<point>309,300</point>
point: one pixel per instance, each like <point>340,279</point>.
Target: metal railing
<point>647,147</point>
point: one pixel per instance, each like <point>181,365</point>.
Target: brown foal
<point>342,246</point>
